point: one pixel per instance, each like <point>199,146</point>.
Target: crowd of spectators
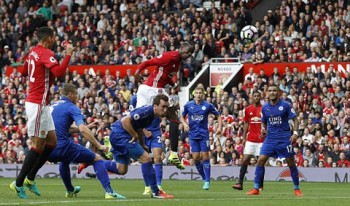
<point>112,32</point>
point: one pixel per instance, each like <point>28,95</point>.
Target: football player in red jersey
<point>41,67</point>
<point>167,66</point>
<point>252,138</point>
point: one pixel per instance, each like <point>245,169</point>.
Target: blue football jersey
<point>132,102</point>
<point>276,118</point>
<point>141,117</point>
<point>64,113</point>
<point>198,118</point>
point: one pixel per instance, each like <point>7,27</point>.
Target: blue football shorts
<point>73,153</point>
<point>154,141</point>
<point>199,145</point>
<point>134,151</point>
<point>277,149</point>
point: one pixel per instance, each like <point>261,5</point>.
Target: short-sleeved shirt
<point>38,63</point>
<point>64,113</point>
<point>252,116</point>
<point>198,118</point>
<point>276,118</point>
<point>141,118</point>
<point>167,66</point>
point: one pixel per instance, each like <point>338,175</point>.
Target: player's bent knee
<point>122,169</point>
<point>145,158</point>
<point>157,160</point>
<point>97,157</point>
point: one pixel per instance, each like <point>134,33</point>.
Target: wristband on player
<point>295,132</point>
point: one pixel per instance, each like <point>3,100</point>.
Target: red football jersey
<point>37,66</point>
<point>252,116</point>
<point>167,66</point>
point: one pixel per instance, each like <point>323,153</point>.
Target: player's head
<point>199,93</point>
<point>256,97</point>
<point>186,50</point>
<point>45,36</point>
<point>273,92</point>
<point>70,91</point>
<point>160,104</point>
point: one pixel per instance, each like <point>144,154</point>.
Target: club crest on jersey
<point>280,108</point>
<point>52,59</point>
<point>292,110</point>
<point>204,108</point>
<point>136,116</point>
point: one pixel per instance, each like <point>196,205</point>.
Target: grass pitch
<point>187,193</point>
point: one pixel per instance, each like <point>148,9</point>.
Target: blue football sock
<point>200,169</point>
<point>259,173</point>
<point>111,166</point>
<point>262,179</point>
<point>159,173</point>
<point>150,176</point>
<point>295,176</point>
<point>144,177</point>
<point>102,175</point>
<point>206,168</point>
<point>65,176</point>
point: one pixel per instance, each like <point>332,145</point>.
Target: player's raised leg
<point>174,137</point>
<point>100,168</point>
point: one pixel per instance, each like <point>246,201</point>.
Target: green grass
<point>187,193</point>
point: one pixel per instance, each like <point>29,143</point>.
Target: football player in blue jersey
<point>197,112</point>
<point>127,141</point>
<point>64,113</point>
<point>152,137</point>
<point>278,119</point>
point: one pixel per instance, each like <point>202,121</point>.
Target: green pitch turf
<point>187,193</point>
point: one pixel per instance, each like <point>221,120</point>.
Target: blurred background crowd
<point>129,32</point>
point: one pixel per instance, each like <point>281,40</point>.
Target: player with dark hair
<point>168,65</point>
<point>127,141</point>
<point>64,113</point>
<point>252,139</point>
<point>41,67</point>
<point>197,112</point>
<point>277,121</point>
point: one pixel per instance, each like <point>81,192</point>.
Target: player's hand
<point>133,139</point>
<point>102,147</point>
<point>263,133</point>
<point>69,49</point>
<point>187,128</point>
<point>243,142</point>
<point>147,133</point>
